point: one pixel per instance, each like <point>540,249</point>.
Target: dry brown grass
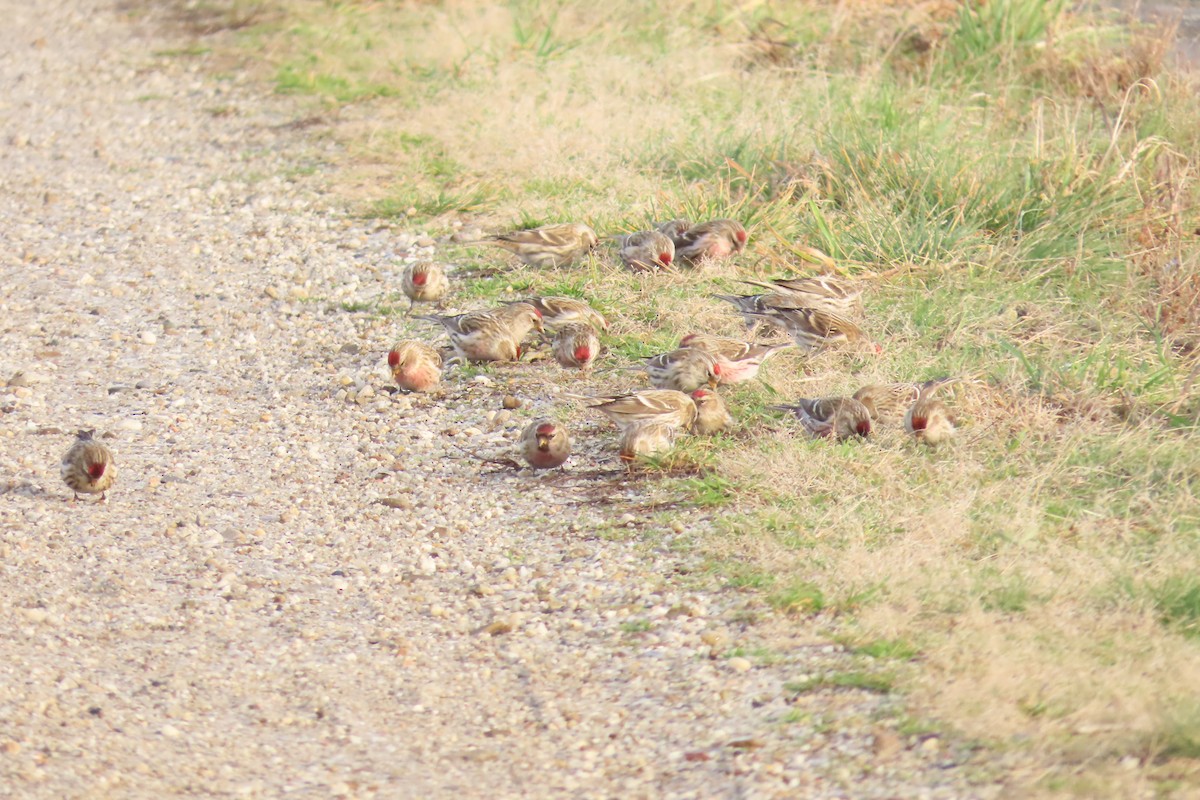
<point>1040,564</point>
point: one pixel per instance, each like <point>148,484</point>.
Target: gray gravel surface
<point>245,617</point>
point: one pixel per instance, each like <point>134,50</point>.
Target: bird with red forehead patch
<point>545,444</point>
<point>738,361</point>
<point>713,240</point>
<point>415,366</point>
<point>647,251</point>
<point>712,415</point>
<point>424,282</point>
<point>684,370</point>
<point>929,420</point>
<point>88,466</point>
<point>576,346</point>
<point>836,417</point>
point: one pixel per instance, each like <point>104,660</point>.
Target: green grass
<point>1015,183</point>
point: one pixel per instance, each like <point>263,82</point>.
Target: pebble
<point>739,664</point>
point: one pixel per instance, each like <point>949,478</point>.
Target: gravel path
<point>244,617</point>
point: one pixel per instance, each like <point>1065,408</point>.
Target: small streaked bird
<point>929,420</point>
<point>684,370</point>
<point>647,251</point>
<point>415,366</point>
<point>493,335</point>
<point>839,417</point>
<point>88,466</point>
<point>424,282</point>
<point>558,311</point>
<point>667,406</point>
<point>547,246</point>
<point>545,444</point>
<point>754,306</point>
<point>719,238</point>
<point>711,413</point>
<point>576,346</point>
<point>674,228</point>
<point>738,361</point>
<point>812,328</point>
<point>819,291</point>
<point>646,439</point>
<point>890,401</point>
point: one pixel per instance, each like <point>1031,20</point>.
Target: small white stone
<point>148,337</point>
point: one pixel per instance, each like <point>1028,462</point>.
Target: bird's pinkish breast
<point>96,471</point>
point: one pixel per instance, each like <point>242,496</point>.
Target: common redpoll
<point>840,417</point>
<point>719,238</point>
<point>549,245</point>
<point>576,346</point>
<point>493,335</point>
<point>647,251</point>
<point>88,466</point>
<point>711,413</point>
<point>667,406</point>
<point>558,311</point>
<point>684,370</point>
<point>819,291</point>
<point>545,444</point>
<point>811,328</point>
<point>674,228</point>
<point>929,420</point>
<point>424,282</point>
<point>646,439</point>
<point>416,367</point>
<point>889,401</point>
<point>754,306</point>
<point>738,361</point>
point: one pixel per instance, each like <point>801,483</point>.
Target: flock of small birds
<point>814,312</point>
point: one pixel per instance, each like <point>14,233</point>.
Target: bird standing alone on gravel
<point>424,282</point>
<point>415,366</point>
<point>88,466</point>
<point>547,246</point>
<point>545,444</point>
